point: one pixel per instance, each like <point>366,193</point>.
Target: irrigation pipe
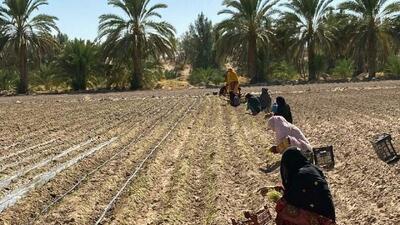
<point>111,126</point>
<point>94,133</point>
<point>30,135</point>
<point>140,166</point>
<point>27,149</point>
<point>85,177</point>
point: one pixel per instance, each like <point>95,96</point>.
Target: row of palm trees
<point>300,28</point>
<point>310,26</point>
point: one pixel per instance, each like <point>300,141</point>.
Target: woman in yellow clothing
<point>232,81</point>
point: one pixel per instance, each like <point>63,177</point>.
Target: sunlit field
<point>185,157</point>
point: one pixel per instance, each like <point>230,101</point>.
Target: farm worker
<point>287,135</point>
<point>223,91</point>
<point>283,109</point>
<point>232,81</point>
<point>274,108</point>
<point>265,100</point>
<point>253,104</point>
<point>306,199</point>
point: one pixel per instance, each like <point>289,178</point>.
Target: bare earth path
<point>188,157</point>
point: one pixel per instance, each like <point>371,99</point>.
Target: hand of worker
<point>268,116</point>
<point>264,190</point>
<point>274,149</point>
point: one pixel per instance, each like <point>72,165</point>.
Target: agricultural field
<point>186,157</point>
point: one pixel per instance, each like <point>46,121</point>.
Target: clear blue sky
<point>79,18</point>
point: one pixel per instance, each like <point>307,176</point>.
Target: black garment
<point>253,104</point>
<point>265,100</point>
<point>234,99</point>
<point>222,91</point>
<point>305,184</point>
<point>284,109</point>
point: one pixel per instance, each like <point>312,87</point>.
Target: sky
<point>80,18</point>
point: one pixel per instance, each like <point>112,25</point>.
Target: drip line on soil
<point>109,127</point>
<point>69,127</point>
<point>29,135</point>
<point>27,149</point>
<point>7,181</point>
<point>45,177</point>
<point>85,177</point>
<point>140,166</point>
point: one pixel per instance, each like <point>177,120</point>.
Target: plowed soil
<point>186,157</point>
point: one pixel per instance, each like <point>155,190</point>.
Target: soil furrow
<point>111,176</point>
<point>166,176</point>
<point>60,183</point>
<point>83,123</point>
<point>25,158</point>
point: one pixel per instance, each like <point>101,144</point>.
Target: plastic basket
<point>383,146</point>
<point>324,157</point>
<point>262,217</point>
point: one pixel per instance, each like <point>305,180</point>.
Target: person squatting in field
<point>253,104</point>
<point>306,199</point>
<point>283,109</point>
<point>232,81</point>
<point>265,100</point>
<point>258,104</point>
<point>287,135</point>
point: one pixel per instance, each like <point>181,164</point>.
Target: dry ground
<point>64,158</point>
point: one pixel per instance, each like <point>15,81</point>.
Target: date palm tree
<point>139,32</point>
<point>308,17</point>
<point>78,61</point>
<point>24,31</point>
<point>245,31</point>
<point>374,28</point>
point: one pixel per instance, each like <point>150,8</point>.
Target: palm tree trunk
<point>359,68</point>
<point>23,71</point>
<point>85,74</point>
<point>312,76</point>
<point>137,78</point>
<point>252,59</point>
<point>372,50</point>
<point>372,58</point>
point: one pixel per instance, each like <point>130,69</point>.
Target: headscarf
<point>248,95</point>
<point>231,76</point>
<point>264,90</point>
<point>280,126</point>
<point>265,99</point>
<point>280,101</point>
<point>292,161</point>
<point>305,184</point>
<point>284,129</point>
<point>283,109</point>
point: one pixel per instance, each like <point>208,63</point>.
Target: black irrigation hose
<point>69,127</point>
<point>112,126</point>
<point>94,133</point>
<point>77,184</point>
<point>140,166</point>
<point>33,136</point>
